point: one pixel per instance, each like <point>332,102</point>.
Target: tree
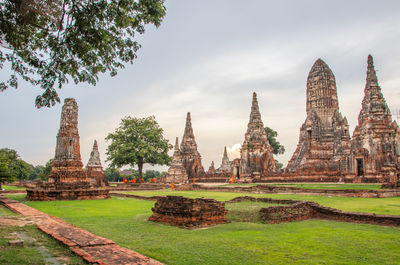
<point>53,41</point>
<point>278,149</point>
<point>5,175</point>
<point>16,167</point>
<point>271,135</point>
<point>37,172</point>
<point>138,141</point>
<point>112,174</point>
<point>46,170</point>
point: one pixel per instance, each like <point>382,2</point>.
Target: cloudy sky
<point>208,57</point>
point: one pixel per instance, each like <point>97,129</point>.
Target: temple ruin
<point>186,163</point>
<point>177,172</point>
<point>325,151</point>
<point>94,170</point>
<point>190,156</point>
<point>324,141</point>
<point>375,145</point>
<point>211,169</point>
<point>226,165</point>
<point>256,154</point>
<point>67,179</point>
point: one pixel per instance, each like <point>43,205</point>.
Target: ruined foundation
<point>189,213</point>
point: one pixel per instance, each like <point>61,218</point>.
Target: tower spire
<point>371,73</point>
<point>188,126</point>
<point>255,111</point>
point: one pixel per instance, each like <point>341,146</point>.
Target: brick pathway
<point>92,248</point>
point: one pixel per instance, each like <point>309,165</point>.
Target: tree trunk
<point>140,166</point>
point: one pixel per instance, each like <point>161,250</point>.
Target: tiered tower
<point>211,169</point>
<point>375,146</point>
<point>226,165</point>
<point>177,172</point>
<point>67,179</point>
<point>190,156</point>
<point>256,154</point>
<point>67,165</point>
<point>94,170</point>
<point>324,136</point>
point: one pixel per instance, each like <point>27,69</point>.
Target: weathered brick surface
<point>189,213</point>
<point>324,140</point>
<point>94,169</point>
<point>256,153</point>
<point>293,190</point>
<point>92,248</point>
<point>302,210</point>
<point>67,179</point>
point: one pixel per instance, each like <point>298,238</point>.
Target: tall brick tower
<point>67,165</point>
<point>375,146</point>
<point>324,136</point>
<point>256,154</point>
<point>67,179</point>
<point>190,156</point>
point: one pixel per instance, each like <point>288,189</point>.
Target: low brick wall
<point>12,191</point>
<point>189,213</point>
<point>295,212</point>
<point>310,210</point>
<point>293,190</point>
<point>58,195</point>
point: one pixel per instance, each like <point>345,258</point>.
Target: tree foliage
<point>13,165</point>
<point>138,141</point>
<point>276,145</point>
<point>113,174</point>
<point>5,175</point>
<point>51,42</point>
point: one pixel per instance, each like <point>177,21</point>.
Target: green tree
<point>112,174</point>
<point>51,42</point>
<point>138,141</point>
<point>278,149</point>
<point>276,145</point>
<point>17,167</point>
<point>5,175</point>
<point>46,170</point>
<point>37,172</point>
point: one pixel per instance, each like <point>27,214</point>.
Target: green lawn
<point>364,205</point>
<point>327,186</point>
<point>124,220</point>
<point>34,243</point>
<point>346,186</point>
<point>8,187</point>
<point>246,211</point>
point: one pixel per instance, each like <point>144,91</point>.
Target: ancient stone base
<point>189,213</point>
<point>61,195</point>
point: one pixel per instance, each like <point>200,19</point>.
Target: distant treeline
<point>114,174</point>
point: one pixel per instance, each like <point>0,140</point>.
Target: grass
<point>8,187</point>
<point>364,205</point>
<point>246,211</point>
<point>327,186</point>
<point>333,186</point>
<point>124,220</point>
<point>29,253</point>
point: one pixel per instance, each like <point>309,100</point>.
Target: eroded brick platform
<point>92,248</point>
<point>189,213</point>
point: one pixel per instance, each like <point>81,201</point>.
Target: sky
<point>207,58</point>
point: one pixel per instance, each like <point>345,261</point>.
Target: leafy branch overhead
<point>49,42</point>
